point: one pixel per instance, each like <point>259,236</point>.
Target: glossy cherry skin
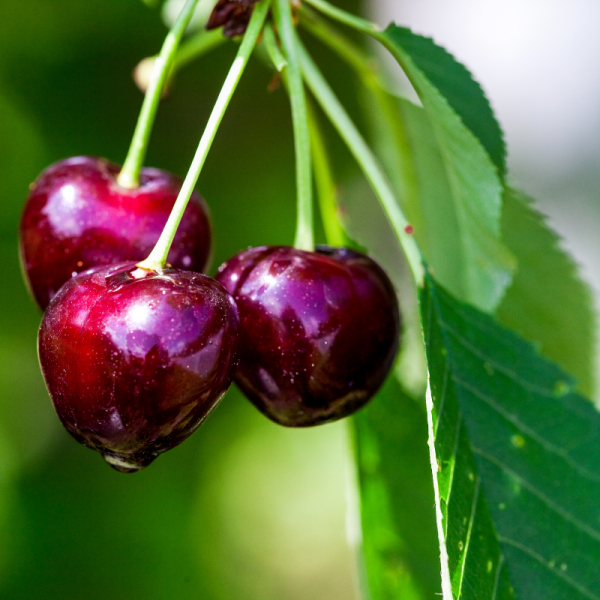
<point>134,366</point>
<point>318,330</point>
<point>77,216</point>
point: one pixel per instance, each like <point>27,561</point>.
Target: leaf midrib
<point>561,512</point>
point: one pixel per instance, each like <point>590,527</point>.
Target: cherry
<point>77,216</point>
<point>134,365</point>
<point>318,330</point>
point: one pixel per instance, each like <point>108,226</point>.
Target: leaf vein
<point>565,514</point>
<point>528,431</point>
<point>468,540</point>
<point>497,578</point>
<point>544,562</point>
<point>547,392</point>
<point>454,454</point>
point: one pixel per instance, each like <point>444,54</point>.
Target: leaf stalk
<point>401,164</point>
<point>366,160</point>
<point>344,17</point>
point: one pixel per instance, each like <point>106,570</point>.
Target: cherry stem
<point>273,50</point>
<point>304,239</point>
<point>195,47</point>
<point>325,183</point>
<point>129,177</point>
<point>392,129</point>
<point>365,158</point>
<point>158,257</point>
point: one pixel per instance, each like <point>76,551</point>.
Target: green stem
<point>392,129</point>
<point>195,47</point>
<point>273,50</point>
<point>158,257</point>
<point>365,158</point>
<point>354,22</point>
<point>344,17</point>
<point>129,177</point>
<point>364,65</point>
<point>304,239</point>
<point>326,188</point>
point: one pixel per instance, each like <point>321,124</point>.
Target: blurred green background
<point>244,509</point>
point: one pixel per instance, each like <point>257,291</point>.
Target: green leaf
<point>516,461</point>
<point>397,508</point>
<point>548,303</point>
<point>454,81</point>
<point>409,151</point>
<point>474,183</point>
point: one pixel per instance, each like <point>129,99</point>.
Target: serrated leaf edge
<point>575,267</point>
<point>509,260</point>
<point>501,172</point>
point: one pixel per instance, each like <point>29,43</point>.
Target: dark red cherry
<point>318,330</point>
<point>77,217</point>
<point>134,365</point>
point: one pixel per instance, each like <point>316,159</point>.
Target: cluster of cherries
<point>135,360</point>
